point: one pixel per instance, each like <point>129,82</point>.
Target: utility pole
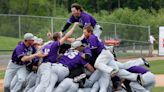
<point>118,3</point>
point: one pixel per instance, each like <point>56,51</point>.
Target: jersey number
<point>46,51</point>
<point>71,55</point>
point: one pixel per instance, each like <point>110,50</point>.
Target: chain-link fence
<point>134,38</point>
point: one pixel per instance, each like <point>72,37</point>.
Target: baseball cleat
<point>139,79</point>
<point>145,62</point>
<point>80,77</point>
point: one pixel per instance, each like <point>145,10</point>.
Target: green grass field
<point>157,66</point>
<point>158,89</point>
<point>2,73</point>
<point>8,43</point>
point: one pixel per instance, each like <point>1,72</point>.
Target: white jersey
<point>151,39</point>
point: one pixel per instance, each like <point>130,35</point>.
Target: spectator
<point>151,45</point>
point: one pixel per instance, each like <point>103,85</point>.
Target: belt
<point>45,61</point>
<point>17,62</point>
<point>48,61</point>
<point>62,65</point>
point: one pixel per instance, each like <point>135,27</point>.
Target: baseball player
<point>147,77</point>
<point>101,56</point>
<point>104,79</point>
<point>52,50</point>
<point>104,59</point>
<point>79,15</point>
<point>33,67</point>
<point>69,61</point>
<point>77,45</point>
<point>63,86</point>
<point>23,53</point>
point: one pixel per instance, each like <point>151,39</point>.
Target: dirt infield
<point>160,80</point>
<point>1,85</point>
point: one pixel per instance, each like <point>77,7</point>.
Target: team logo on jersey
<point>29,51</point>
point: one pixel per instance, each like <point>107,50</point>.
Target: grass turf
<point>8,43</point>
<point>158,89</point>
<point>157,66</point>
<point>2,73</point>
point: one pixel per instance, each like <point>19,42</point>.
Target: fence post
<point>149,31</point>
<point>52,28</point>
<point>115,30</point>
<point>134,48</point>
<point>141,49</point>
<point>19,24</point>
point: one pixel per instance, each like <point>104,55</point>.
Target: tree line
<point>139,12</point>
<point>51,7</point>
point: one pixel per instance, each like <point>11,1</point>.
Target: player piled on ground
<point>86,65</point>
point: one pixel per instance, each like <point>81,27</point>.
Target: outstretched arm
<point>30,57</point>
<point>69,33</point>
<point>66,26</point>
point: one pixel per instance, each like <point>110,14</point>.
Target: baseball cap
<point>28,36</point>
<point>38,41</point>
<point>76,44</point>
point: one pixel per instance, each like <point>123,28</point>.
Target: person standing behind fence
<point>79,15</point>
<point>151,45</point>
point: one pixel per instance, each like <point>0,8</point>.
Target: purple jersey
<point>137,69</point>
<point>72,59</point>
<point>84,19</point>
<point>95,43</point>
<point>22,50</point>
<point>52,50</point>
<point>87,50</point>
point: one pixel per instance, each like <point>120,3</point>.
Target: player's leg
<point>127,75</point>
<point>149,80</point>
<point>113,64</point>
<point>104,82</point>
<point>102,60</point>
<point>31,81</point>
<point>64,85</point>
<point>31,89</point>
<point>45,71</point>
<point>84,90</point>
<point>97,30</point>
<point>93,78</point>
<point>110,86</point>
<point>9,75</point>
<point>38,78</point>
<point>130,63</point>
<point>73,88</point>
<point>37,82</point>
<point>136,87</point>
<point>53,81</point>
<point>95,87</point>
<point>58,73</point>
<point>21,74</point>
<point>61,71</point>
<point>67,85</point>
<point>13,82</point>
